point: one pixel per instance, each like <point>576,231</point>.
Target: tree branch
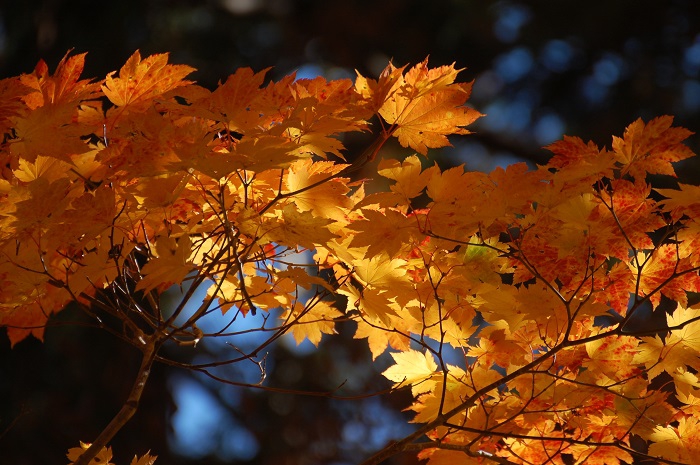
<point>128,408</point>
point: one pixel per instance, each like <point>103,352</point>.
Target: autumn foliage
<point>113,191</point>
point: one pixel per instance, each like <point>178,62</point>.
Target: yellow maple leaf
<point>497,349</point>
<point>676,351</point>
<point>379,340</point>
<point>382,273</point>
<point>300,228</point>
<point>313,321</point>
<point>376,92</point>
<point>412,368</point>
<point>374,304</point>
<point>689,334</point>
<point>597,455</point>
<point>230,103</point>
<point>55,106</point>
<point>680,444</point>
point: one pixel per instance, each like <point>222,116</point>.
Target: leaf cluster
<point>114,191</point>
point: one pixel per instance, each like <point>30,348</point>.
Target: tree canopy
<point>514,304</point>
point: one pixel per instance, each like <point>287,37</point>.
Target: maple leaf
<point>141,81</point>
<point>616,287</point>
<point>27,319</point>
<point>685,327</point>
<point>412,368</point>
<point>377,92</point>
<point>31,132</point>
<point>448,393</point>
<point>384,276</point>
<point>146,459</point>
<point>170,266</point>
<point>680,444</point>
<point>61,88</point>
<point>629,207</point>
<point>384,232</point>
<point>410,179</point>
<point>12,96</point>
<point>379,342</point>
<point>313,321</point>
<point>678,350</point>
<point>300,277</point>
<point>92,269</point>
<point>682,201</point>
<point>327,200</point>
<point>300,228</point>
<point>651,148</point>
<point>55,110</point>
<point>43,203</point>
<point>230,103</point>
<point>497,349</point>
<point>662,272</point>
<point>602,455</point>
<point>323,109</point>
<point>425,105</point>
<point>579,165</point>
<point>374,304</point>
<point>612,357</point>
<point>264,292</point>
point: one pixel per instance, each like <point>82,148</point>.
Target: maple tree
<point>114,191</point>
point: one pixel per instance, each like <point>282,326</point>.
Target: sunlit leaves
<point>511,300</point>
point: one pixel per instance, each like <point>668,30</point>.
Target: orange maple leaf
<point>230,103</point>
<point>425,105</point>
<point>63,87</point>
<point>171,266</point>
<point>665,271</point>
<point>650,148</point>
<point>384,232</point>
<point>12,96</point>
<point>141,81</point>
<point>56,104</point>
<point>682,201</point>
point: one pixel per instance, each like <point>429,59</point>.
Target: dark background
<point>542,69</point>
